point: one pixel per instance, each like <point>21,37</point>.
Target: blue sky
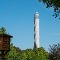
<point>17,16</point>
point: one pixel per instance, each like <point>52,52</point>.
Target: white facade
<point>36,30</point>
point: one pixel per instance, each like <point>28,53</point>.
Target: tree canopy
<point>2,30</point>
<point>53,3</point>
<point>28,54</point>
<point>12,54</point>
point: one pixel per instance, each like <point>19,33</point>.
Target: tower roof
<point>36,12</point>
<point>6,35</point>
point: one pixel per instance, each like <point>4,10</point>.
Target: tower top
<point>36,15</point>
<point>36,12</point>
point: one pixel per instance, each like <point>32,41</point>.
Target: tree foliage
<point>2,30</point>
<point>34,54</point>
<point>12,54</point>
<point>28,54</point>
<point>54,52</point>
<point>41,54</point>
<point>53,3</point>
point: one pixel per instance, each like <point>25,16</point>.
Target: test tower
<point>36,30</point>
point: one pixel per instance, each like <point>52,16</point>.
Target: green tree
<point>34,54</point>
<point>54,52</point>
<point>53,3</point>
<point>30,54</point>
<point>2,30</point>
<point>41,54</point>
<point>27,54</point>
<point>13,54</point>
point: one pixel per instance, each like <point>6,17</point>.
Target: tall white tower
<point>36,30</point>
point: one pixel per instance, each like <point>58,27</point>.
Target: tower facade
<point>36,30</point>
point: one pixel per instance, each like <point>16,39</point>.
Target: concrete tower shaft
<point>36,30</point>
